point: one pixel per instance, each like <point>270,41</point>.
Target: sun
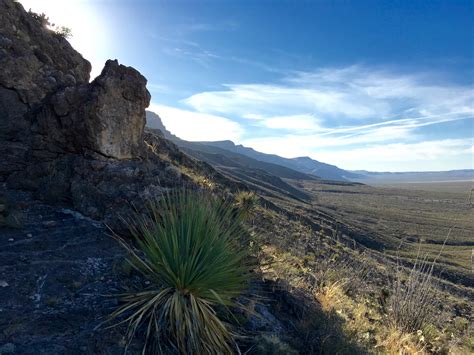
<point>90,34</point>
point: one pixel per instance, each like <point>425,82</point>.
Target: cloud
<point>191,27</point>
<point>447,154</point>
<point>302,122</point>
<point>339,95</point>
<point>425,155</point>
<point>193,126</point>
<point>195,53</point>
<point>353,117</point>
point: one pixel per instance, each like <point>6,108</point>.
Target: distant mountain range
<point>302,164</point>
<point>414,176</point>
<point>229,155</point>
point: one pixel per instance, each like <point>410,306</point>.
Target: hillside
<point>260,175</point>
<point>303,165</point>
<point>88,222</point>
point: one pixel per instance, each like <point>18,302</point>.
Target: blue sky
<point>375,85</point>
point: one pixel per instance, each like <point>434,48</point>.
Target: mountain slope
<point>303,164</point>
<point>261,176</point>
<point>220,151</point>
<point>279,166</point>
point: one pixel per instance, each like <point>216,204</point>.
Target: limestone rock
<point>115,111</point>
<point>105,117</point>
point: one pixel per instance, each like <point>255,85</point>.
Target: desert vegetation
<point>215,251</point>
<point>43,20</point>
<point>191,248</point>
<point>363,302</point>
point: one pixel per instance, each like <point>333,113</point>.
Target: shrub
<point>188,248</point>
<point>411,303</point>
<point>247,203</point>
<point>43,20</point>
<point>63,31</point>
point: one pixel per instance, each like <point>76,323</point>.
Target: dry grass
<point>394,342</point>
<point>412,302</point>
<point>332,283</point>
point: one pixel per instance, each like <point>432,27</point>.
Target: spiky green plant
<point>187,246</point>
<point>247,203</point>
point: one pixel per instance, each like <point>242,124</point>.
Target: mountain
<point>414,176</point>
<point>227,153</point>
<point>154,121</point>
<point>303,164</point>
<point>279,166</point>
<point>259,175</point>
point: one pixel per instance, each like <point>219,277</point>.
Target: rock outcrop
<point>34,63</point>
<point>73,142</point>
<point>105,117</point>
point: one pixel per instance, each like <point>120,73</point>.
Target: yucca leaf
<point>192,248</point>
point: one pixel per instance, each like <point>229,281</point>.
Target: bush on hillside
<point>247,203</point>
<point>411,303</point>
<point>188,248</point>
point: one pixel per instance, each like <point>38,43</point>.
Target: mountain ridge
<point>307,165</point>
<point>303,165</point>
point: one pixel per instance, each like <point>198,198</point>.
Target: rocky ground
<point>61,275</point>
<point>57,270</point>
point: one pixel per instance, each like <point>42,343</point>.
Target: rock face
<point>105,117</point>
<point>72,142</point>
<point>116,111</point>
<point>55,273</point>
<point>34,63</point>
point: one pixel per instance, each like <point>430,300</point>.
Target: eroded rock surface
<point>57,273</point>
<point>106,117</point>
<point>72,142</point>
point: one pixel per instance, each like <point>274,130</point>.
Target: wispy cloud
<point>354,92</point>
<point>354,117</point>
<point>191,50</point>
<point>447,154</point>
<point>377,156</point>
<point>195,126</point>
<point>303,122</point>
<point>195,53</point>
<point>191,26</point>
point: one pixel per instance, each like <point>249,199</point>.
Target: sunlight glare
<point>90,36</point>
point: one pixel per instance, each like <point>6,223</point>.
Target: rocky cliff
<point>70,141</point>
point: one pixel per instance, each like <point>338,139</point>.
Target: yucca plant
<point>246,203</point>
<point>187,246</point>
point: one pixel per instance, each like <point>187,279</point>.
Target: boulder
<point>114,116</point>
<point>105,117</point>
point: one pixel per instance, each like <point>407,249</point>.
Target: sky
<point>365,85</point>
